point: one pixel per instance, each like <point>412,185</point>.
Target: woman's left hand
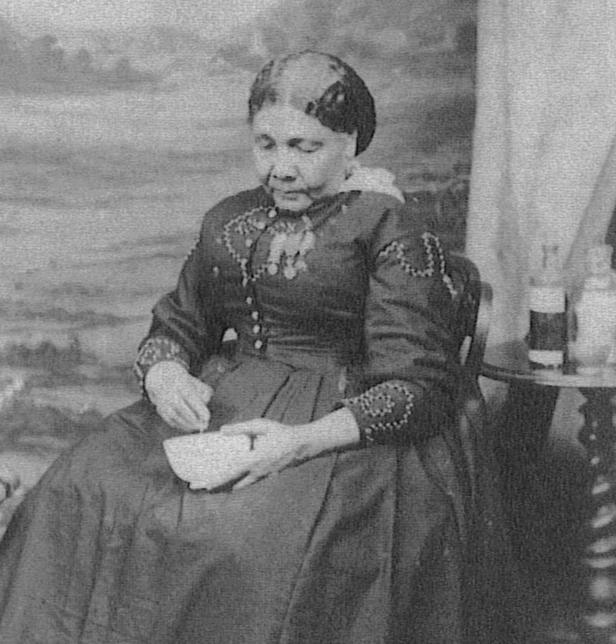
<point>275,447</point>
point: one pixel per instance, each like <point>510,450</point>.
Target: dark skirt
<point>379,545</point>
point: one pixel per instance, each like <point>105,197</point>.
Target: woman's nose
<point>283,167</point>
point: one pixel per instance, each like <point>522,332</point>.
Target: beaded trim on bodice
<point>289,245</point>
<point>435,260</point>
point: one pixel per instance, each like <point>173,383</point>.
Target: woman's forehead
<point>284,121</point>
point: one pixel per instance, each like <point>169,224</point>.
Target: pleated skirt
<point>366,546</point>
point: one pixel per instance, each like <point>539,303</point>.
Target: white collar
<point>372,180</point>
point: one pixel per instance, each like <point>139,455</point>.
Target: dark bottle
<point>547,336</point>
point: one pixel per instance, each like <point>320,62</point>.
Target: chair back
<point>474,301</point>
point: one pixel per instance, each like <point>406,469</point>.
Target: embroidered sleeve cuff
<point>154,350</point>
<point>382,412</point>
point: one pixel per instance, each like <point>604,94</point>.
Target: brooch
<point>288,247</point>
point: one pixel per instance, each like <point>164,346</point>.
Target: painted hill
<point>43,65</point>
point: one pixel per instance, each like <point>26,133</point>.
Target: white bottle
<point>595,313</point>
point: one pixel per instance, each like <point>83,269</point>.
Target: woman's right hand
<point>180,399</point>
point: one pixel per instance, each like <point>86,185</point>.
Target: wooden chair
<point>474,312</point>
<point>473,322</point>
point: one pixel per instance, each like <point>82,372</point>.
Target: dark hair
<point>320,85</point>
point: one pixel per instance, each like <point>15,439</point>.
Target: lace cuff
<point>382,412</point>
<point>154,350</point>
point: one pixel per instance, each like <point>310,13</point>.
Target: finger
<point>204,421</point>
<point>253,477</point>
<point>204,390</point>
<point>197,408</point>
<point>186,413</point>
<point>258,427</point>
<point>172,417</point>
<point>235,429</point>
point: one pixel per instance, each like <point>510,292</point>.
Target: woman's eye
<point>309,148</point>
<point>264,144</point>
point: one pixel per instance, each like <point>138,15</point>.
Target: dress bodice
<point>287,283</point>
<point>357,280</point>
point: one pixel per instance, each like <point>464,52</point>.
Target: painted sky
<point>206,16</point>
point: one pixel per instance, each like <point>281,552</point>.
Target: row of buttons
<point>257,328</point>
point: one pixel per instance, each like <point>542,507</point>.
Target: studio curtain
<point>544,160</point>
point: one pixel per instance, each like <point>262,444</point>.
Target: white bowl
<point>210,459</point>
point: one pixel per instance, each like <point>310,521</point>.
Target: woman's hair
<point>320,85</point>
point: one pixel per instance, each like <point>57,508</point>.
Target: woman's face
<point>298,159</point>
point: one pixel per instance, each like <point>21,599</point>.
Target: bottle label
<point>546,358</point>
<point>547,331</point>
<point>547,336</point>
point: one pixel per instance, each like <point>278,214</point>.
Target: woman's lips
<point>288,196</point>
<point>288,193</point>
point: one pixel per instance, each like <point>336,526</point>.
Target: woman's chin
<point>292,201</point>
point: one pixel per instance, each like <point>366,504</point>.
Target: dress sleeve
<point>185,325</point>
<point>409,380</point>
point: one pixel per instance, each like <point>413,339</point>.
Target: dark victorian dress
<point>349,303</point>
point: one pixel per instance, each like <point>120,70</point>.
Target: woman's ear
<point>351,147</point>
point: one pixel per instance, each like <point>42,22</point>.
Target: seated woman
<point>357,519</point>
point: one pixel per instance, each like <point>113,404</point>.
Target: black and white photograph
<point>307,322</point>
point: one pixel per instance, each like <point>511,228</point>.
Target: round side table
<point>509,363</point>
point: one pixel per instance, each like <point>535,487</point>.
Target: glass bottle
<point>547,336</point>
<point>594,310</point>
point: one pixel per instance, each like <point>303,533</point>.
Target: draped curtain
<point>544,159</point>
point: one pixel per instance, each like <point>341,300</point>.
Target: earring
<point>350,168</point>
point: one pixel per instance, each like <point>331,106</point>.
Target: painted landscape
<point>114,143</point>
